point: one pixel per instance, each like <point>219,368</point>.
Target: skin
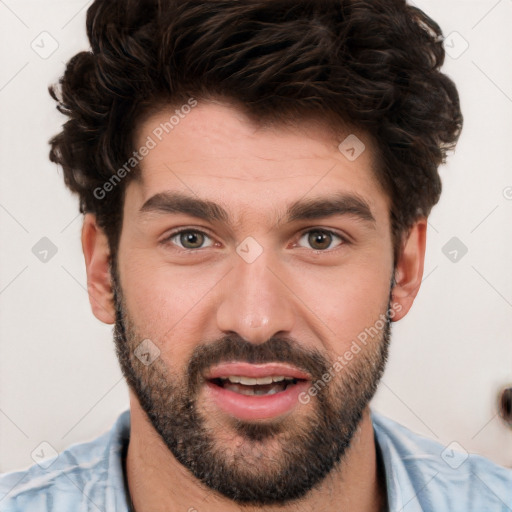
<point>181,299</point>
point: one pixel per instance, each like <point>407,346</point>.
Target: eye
<point>189,239</point>
<point>321,239</point>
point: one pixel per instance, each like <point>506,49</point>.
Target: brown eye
<point>320,239</point>
<point>189,239</point>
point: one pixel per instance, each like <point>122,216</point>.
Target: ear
<point>409,269</point>
<point>97,263</point>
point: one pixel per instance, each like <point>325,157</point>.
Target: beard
<point>251,463</point>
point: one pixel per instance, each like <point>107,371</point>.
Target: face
<point>253,259</point>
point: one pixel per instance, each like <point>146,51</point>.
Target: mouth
<point>255,391</point>
<point>249,386</point>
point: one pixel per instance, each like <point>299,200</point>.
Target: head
<point>256,179</point>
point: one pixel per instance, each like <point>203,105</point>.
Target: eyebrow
<point>309,209</point>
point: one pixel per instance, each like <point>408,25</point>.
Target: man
<point>256,179</point>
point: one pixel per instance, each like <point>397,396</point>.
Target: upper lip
<point>244,369</point>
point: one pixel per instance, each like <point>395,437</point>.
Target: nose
<point>255,302</point>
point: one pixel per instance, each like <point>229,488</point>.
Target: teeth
<point>250,391</point>
<point>249,381</point>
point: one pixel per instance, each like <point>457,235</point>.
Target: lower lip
<point>256,407</point>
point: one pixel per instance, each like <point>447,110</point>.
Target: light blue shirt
<point>421,476</point>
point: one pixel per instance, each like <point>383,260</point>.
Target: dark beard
<point>305,449</point>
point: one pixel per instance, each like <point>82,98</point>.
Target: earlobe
<point>97,263</point>
<point>409,269</point>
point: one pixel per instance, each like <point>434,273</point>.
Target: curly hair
<point>374,64</point>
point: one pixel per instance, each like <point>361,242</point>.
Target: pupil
<point>319,237</point>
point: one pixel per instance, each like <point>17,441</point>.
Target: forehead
<point>214,152</point>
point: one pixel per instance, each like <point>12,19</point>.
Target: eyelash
<point>344,240</point>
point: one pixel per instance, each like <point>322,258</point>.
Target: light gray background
<point>59,378</point>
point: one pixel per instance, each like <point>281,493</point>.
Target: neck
<point>158,482</point>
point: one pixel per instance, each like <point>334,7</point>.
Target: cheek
<point>347,300</point>
<point>167,304</point>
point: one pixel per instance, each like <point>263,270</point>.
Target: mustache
<point>235,348</point>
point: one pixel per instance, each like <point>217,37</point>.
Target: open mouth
<point>255,391</point>
<point>260,386</point>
